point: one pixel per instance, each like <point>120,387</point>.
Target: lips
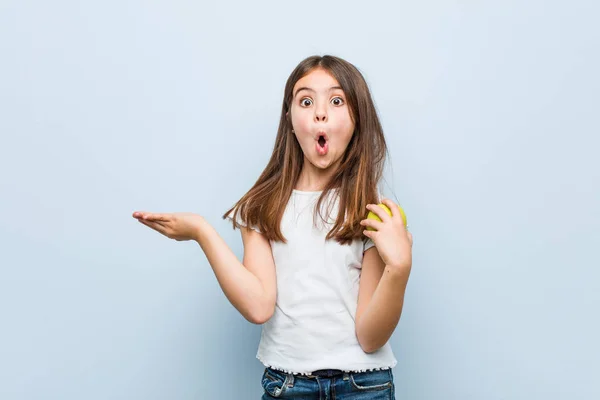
<point>322,134</point>
<point>322,143</point>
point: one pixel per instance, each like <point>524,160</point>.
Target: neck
<point>313,179</point>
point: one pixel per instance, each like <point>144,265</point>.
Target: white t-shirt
<point>313,326</point>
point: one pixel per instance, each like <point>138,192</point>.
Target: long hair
<point>356,178</point>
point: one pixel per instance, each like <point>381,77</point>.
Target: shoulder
<point>239,220</point>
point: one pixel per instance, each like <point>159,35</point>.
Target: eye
<point>302,102</point>
<point>337,101</point>
<point>340,102</point>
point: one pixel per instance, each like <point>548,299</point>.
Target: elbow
<point>260,315</point>
<point>259,318</point>
<point>368,345</point>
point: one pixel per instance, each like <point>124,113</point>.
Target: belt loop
<point>290,380</point>
<point>346,376</point>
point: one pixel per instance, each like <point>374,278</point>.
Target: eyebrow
<point>312,90</point>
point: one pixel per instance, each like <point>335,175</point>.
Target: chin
<point>322,164</point>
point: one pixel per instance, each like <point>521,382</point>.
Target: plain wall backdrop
<point>490,110</point>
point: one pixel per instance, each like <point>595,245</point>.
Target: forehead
<point>318,80</point>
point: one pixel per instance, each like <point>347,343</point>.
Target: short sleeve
<point>240,221</point>
<point>367,243</point>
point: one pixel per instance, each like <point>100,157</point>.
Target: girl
<point>328,291</point>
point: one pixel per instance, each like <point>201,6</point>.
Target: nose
<point>320,114</point>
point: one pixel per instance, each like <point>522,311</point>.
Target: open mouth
<point>322,144</point>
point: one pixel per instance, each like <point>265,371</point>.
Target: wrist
<point>403,265</point>
<point>397,273</point>
<point>201,228</point>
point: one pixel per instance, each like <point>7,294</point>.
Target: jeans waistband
<point>327,373</point>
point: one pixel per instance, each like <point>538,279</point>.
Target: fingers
<point>379,211</point>
<point>163,217</point>
<point>369,234</point>
<point>395,209</point>
<point>152,216</point>
<point>156,217</point>
<point>371,223</point>
<point>391,205</point>
<point>154,225</point>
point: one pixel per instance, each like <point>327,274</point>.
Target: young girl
<point>328,291</point>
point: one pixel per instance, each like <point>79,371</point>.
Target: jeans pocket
<point>372,380</point>
<point>274,383</point>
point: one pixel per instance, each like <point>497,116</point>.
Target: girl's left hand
<point>392,239</point>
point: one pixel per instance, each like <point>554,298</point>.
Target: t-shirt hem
<point>304,372</point>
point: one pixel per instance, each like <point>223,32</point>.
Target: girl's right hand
<point>178,226</point>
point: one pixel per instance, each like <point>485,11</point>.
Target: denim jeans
<point>370,385</point>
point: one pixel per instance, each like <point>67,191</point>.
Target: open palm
<point>178,226</point>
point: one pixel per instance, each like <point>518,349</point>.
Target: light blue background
<point>491,115</point>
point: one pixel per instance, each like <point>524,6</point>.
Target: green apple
<point>372,215</point>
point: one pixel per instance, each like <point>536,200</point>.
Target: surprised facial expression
<point>321,118</point>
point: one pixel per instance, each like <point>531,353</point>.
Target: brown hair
<point>355,180</point>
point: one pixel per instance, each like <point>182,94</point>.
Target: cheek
<point>301,121</point>
<point>345,128</point>
<point>342,119</point>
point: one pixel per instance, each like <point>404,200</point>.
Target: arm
<point>249,286</point>
<point>380,301</point>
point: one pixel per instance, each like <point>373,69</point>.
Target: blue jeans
<point>370,385</point>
